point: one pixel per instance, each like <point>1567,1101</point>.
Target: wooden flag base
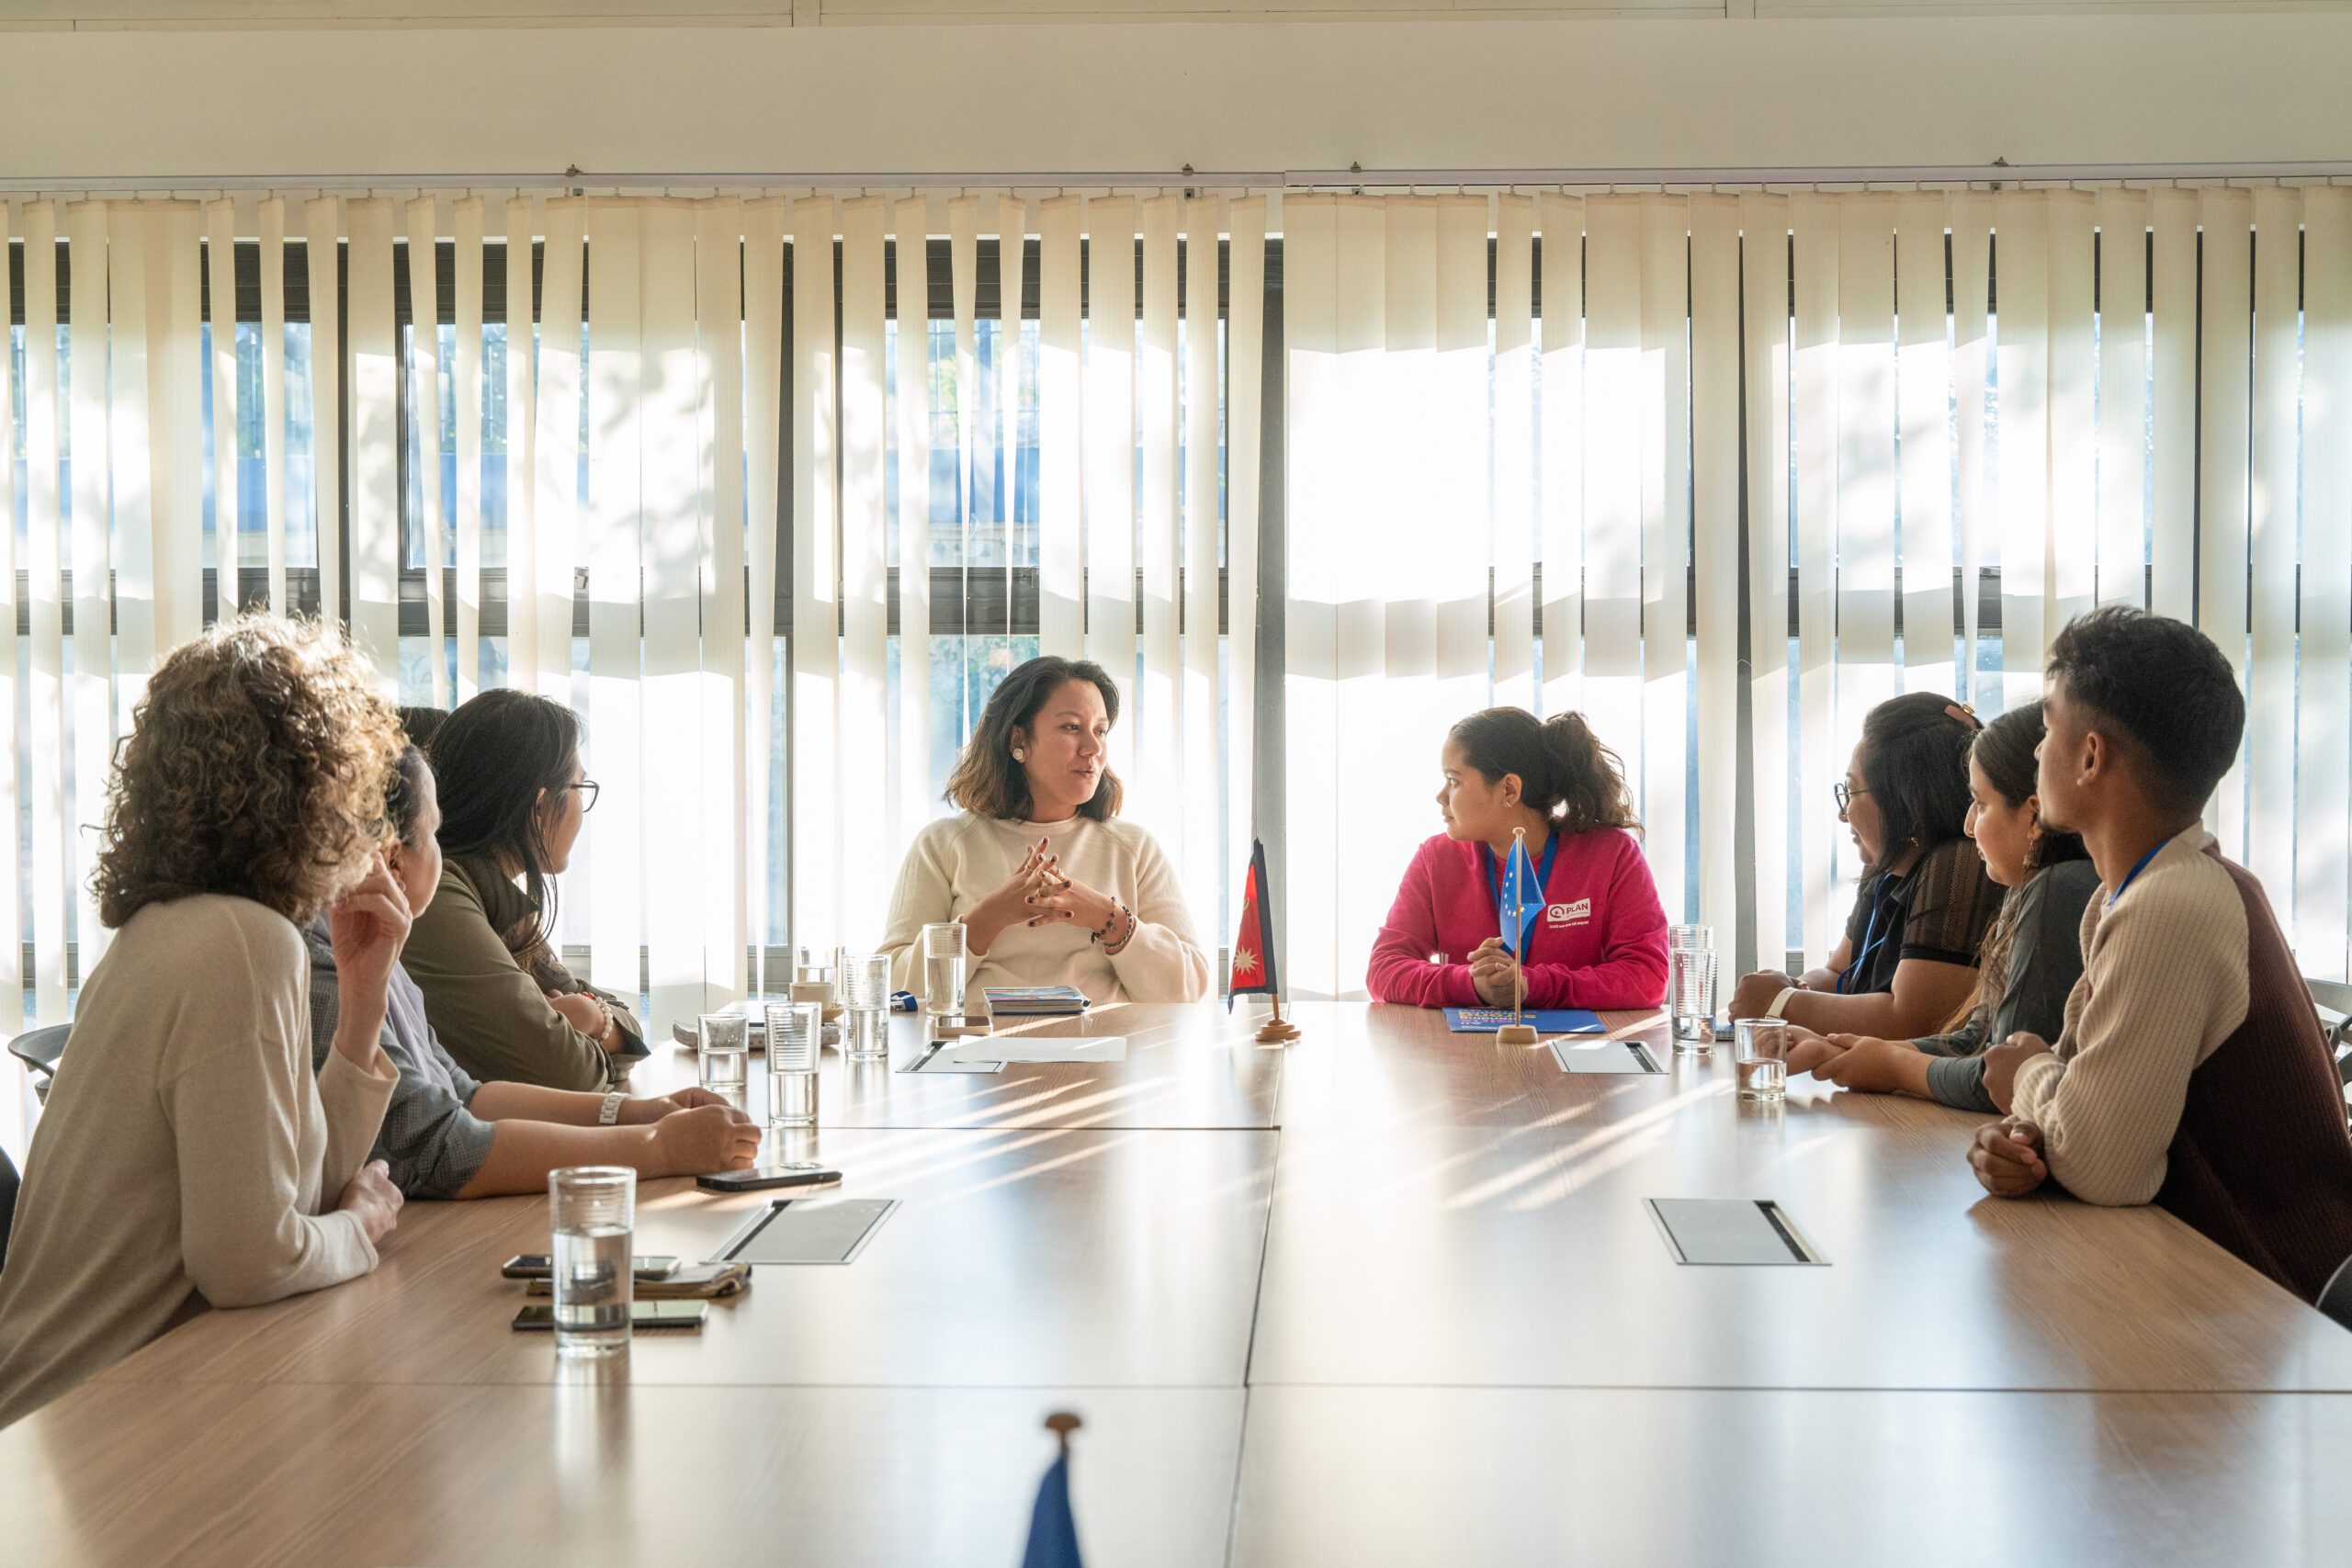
<point>1277,1030</point>
<point>1515,1034</point>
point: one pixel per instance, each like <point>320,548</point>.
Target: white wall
<point>2045,90</point>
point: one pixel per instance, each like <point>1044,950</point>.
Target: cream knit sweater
<point>955,863</point>
<point>187,1156</point>
<point>2163,985</point>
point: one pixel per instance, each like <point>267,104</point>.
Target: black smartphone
<point>700,1283</point>
<point>539,1266</point>
<point>641,1314</point>
<point>805,1176</point>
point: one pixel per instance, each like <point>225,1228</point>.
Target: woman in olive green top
<point>513,796</point>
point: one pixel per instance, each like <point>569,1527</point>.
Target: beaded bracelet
<point>1111,920</point>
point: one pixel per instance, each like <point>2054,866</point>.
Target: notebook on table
<point>1548,1021</point>
<point>1034,1001</point>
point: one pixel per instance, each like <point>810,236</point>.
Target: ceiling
<point>166,14</point>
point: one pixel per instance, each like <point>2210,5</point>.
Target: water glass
<point>1690,996</point>
<point>592,1211</point>
<point>864,984</point>
<point>1759,1055</point>
<point>1690,937</point>
<point>813,969</point>
<point>943,970</point>
<point>723,1050</point>
<point>796,1035</point>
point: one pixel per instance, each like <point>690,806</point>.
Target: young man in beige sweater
<point>2191,1072</point>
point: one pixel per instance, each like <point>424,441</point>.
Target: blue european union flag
<point>1053,1532</point>
<point>1521,893</point>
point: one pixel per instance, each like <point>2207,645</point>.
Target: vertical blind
<point>770,489</point>
<point>671,462</point>
<point>1909,433</point>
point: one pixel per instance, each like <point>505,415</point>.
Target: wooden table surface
<point>1372,1477</point>
<point>1424,1253</point>
<point>1388,1296</point>
<point>1185,1067</point>
<point>563,1473</point>
<point>1040,1258</point>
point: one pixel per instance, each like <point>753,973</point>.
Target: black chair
<point>2336,1299</point>
<point>38,1049</point>
<point>2332,1002</point>
<point>8,1201</point>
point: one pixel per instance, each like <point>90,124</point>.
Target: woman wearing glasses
<point>513,796</point>
<point>1908,959</point>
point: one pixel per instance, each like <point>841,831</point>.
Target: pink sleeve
<point>1401,971</point>
<point>1632,971</point>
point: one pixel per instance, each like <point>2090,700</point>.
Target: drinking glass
<point>1690,996</point>
<point>1759,1055</point>
<point>813,969</point>
<point>943,970</point>
<point>864,984</point>
<point>723,1053</point>
<point>796,1035</point>
<point>592,1210</point>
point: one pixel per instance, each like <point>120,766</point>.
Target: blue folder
<point>1551,1021</point>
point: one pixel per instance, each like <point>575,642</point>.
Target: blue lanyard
<point>1494,884</point>
<point>1870,937</point>
<point>2137,866</point>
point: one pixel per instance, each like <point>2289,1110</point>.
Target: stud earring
<point>1019,755</point>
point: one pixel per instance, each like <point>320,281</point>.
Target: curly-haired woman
<point>187,1156</point>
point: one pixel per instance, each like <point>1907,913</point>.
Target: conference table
<point>1385,1295</point>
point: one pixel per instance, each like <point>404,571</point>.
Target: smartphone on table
<point>801,1176</point>
<point>539,1266</point>
<point>642,1314</point>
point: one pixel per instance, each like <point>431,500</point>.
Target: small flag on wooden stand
<point>1253,955</point>
<point>1053,1529</point>
<point>1521,896</point>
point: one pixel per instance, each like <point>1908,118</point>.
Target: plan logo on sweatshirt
<point>1573,914</point>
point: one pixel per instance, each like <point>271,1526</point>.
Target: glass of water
<point>1690,995</point>
<point>813,969</point>
<point>723,1052</point>
<point>1759,1055</point>
<point>943,970</point>
<point>796,1035</point>
<point>592,1210</point>
<point>865,982</point>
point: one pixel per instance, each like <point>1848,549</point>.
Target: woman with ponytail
<point>1600,941</point>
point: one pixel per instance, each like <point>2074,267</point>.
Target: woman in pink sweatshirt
<point>1600,939</point>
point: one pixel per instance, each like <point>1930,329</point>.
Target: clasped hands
<point>1495,974</point>
<point>2006,1156</point>
<point>1039,893</point>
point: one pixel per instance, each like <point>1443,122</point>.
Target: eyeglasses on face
<point>1844,793</point>
<point>587,788</point>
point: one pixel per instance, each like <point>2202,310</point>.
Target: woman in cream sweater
<point>187,1156</point>
<point>1052,888</point>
